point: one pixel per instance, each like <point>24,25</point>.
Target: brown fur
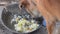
<point>50,9</point>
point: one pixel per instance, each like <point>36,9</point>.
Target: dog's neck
<point>53,7</point>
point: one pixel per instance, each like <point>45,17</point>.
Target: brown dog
<point>50,9</point>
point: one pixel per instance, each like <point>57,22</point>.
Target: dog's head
<point>30,6</point>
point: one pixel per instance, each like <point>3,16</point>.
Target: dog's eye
<point>21,6</point>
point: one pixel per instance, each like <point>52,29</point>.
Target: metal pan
<point>7,15</point>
